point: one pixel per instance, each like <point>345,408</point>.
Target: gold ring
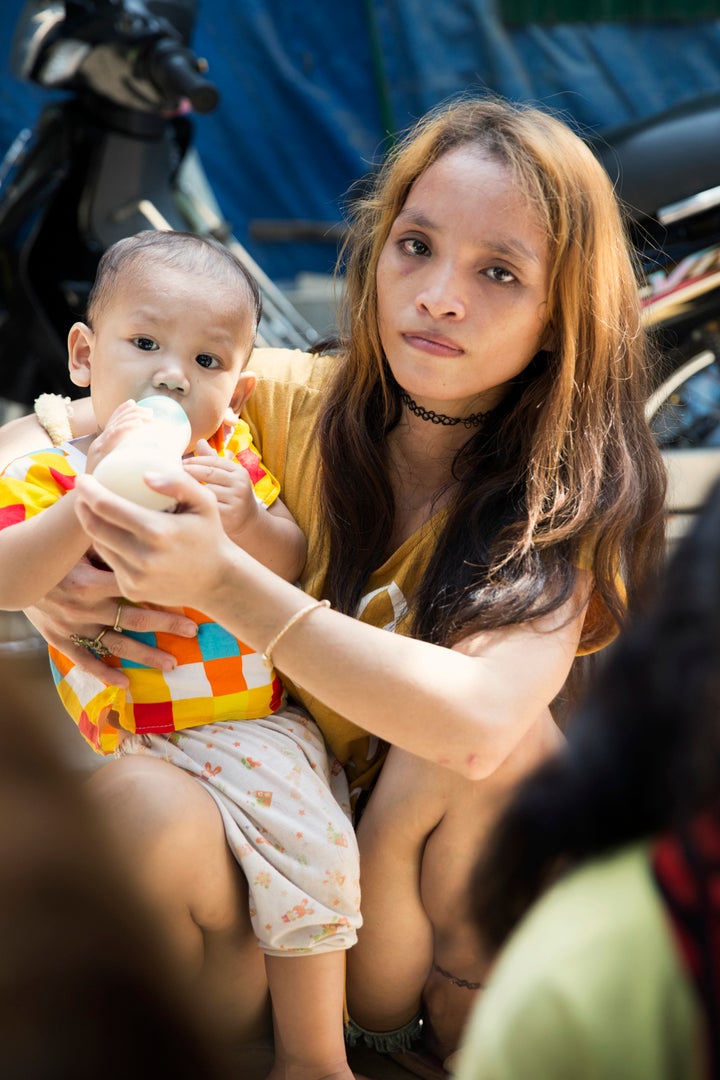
<point>116,625</point>
<point>93,645</point>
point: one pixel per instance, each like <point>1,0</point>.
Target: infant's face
<point>170,332</point>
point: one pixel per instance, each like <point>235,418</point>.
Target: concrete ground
<point>254,1064</point>
<point>24,666</point>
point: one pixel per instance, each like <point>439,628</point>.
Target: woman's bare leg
<point>170,833</point>
<point>420,838</point>
<point>307,999</point>
<point>388,967</point>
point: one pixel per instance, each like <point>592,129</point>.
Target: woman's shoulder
<point>592,979</point>
<point>292,368</point>
<point>288,395</point>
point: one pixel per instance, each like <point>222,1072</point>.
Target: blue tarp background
<point>310,91</point>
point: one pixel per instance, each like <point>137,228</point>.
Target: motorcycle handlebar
<point>115,48</point>
<point>175,71</point>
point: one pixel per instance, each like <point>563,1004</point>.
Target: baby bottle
<point>156,446</point>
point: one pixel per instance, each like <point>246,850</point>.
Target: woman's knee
<point>149,797</point>
<point>409,799</point>
<point>170,831</point>
<point>129,779</point>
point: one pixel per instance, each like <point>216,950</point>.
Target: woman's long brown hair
<point>566,471</point>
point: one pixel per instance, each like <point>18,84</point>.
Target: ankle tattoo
<point>464,984</point>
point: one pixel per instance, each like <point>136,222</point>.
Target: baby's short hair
<point>182,250</point>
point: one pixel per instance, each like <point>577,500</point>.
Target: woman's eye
<point>145,343</point>
<point>413,246</point>
<point>206,360</point>
<point>500,274</point>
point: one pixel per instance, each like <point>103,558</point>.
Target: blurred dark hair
<point>643,751</point>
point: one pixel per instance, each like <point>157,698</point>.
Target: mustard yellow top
<point>283,413</point>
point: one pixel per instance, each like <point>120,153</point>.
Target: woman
<point>473,472</point>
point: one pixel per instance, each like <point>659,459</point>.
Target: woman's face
<point>462,284</point>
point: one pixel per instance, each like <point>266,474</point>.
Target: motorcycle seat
<point>665,158</point>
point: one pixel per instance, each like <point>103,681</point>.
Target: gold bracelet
<point>267,655</point>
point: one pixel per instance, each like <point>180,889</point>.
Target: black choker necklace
<point>474,420</point>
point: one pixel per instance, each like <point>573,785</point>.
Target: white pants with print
<point>286,813</point>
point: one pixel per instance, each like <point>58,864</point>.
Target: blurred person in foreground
<point>86,990</point>
<point>614,972</point>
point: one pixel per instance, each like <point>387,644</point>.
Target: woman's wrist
<point>253,602</point>
<point>287,626</point>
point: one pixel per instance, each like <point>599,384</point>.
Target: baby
<point>175,315</point>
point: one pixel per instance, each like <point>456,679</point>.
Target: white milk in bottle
<point>155,446</point>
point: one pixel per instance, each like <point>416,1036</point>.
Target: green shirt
<point>590,987</point>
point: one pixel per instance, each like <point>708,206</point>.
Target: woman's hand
<point>161,558</point>
<point>84,603</point>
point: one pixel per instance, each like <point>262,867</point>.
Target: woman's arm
<point>21,436</point>
<point>26,433</point>
<point>465,709</point>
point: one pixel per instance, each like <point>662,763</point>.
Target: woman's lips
<point>435,344</point>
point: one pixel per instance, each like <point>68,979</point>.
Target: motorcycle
<point>666,170</point>
<point>112,153</point>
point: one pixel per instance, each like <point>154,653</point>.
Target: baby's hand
<point>231,485</point>
<point>127,416</point>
